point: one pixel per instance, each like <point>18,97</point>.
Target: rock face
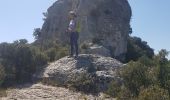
<point>105,22</point>
<point>87,73</point>
<point>97,49</point>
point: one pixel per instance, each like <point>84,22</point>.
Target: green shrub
<point>167,86</point>
<point>148,79</point>
<point>125,94</point>
<point>137,48</point>
<point>2,74</point>
<point>134,75</point>
<point>52,54</point>
<point>153,93</point>
<point>114,89</point>
<point>164,74</point>
<point>62,52</point>
<point>152,71</point>
<point>39,59</point>
<point>21,61</point>
<point>85,83</point>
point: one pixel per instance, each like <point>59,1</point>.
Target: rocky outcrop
<point>84,78</point>
<point>43,92</point>
<point>88,73</point>
<point>96,49</point>
<point>105,22</point>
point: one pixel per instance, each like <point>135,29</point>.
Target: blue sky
<point>150,20</point>
<point>18,18</point>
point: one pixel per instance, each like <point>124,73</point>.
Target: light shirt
<point>72,25</point>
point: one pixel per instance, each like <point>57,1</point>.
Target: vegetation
<point>37,33</point>
<point>114,89</point>
<point>145,76</point>
<point>153,93</point>
<point>137,48</point>
<point>144,79</point>
<point>20,61</point>
<point>85,83</point>
<point>2,74</point>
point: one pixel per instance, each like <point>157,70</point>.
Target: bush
<point>39,59</point>
<point>2,74</point>
<point>125,94</point>
<point>134,75</point>
<point>85,83</point>
<point>148,79</point>
<point>21,60</point>
<point>153,93</point>
<point>52,54</point>
<point>137,48</point>
<point>62,52</point>
<point>114,89</point>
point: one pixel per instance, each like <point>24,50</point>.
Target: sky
<point>150,20</point>
<point>18,18</point>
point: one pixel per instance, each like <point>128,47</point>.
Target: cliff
<point>103,22</point>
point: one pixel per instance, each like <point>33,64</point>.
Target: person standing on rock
<point>73,33</point>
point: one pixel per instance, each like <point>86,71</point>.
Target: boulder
<point>103,21</point>
<point>87,73</point>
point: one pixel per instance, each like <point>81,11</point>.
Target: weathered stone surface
<point>104,20</point>
<point>87,67</point>
<point>96,49</point>
<point>43,92</point>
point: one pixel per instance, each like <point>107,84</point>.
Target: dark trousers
<point>74,43</point>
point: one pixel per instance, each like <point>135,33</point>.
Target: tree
<point>45,14</point>
<point>37,33</point>
<point>21,60</point>
<point>137,48</point>
<point>21,41</point>
<point>130,30</point>
<point>163,53</point>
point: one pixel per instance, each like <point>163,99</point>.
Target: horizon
<point>148,20</point>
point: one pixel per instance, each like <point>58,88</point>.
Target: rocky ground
<point>90,74</point>
<point>43,92</point>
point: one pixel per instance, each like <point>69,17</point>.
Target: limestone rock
<point>43,92</point>
<point>106,21</point>
<point>98,71</point>
<point>96,49</point>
